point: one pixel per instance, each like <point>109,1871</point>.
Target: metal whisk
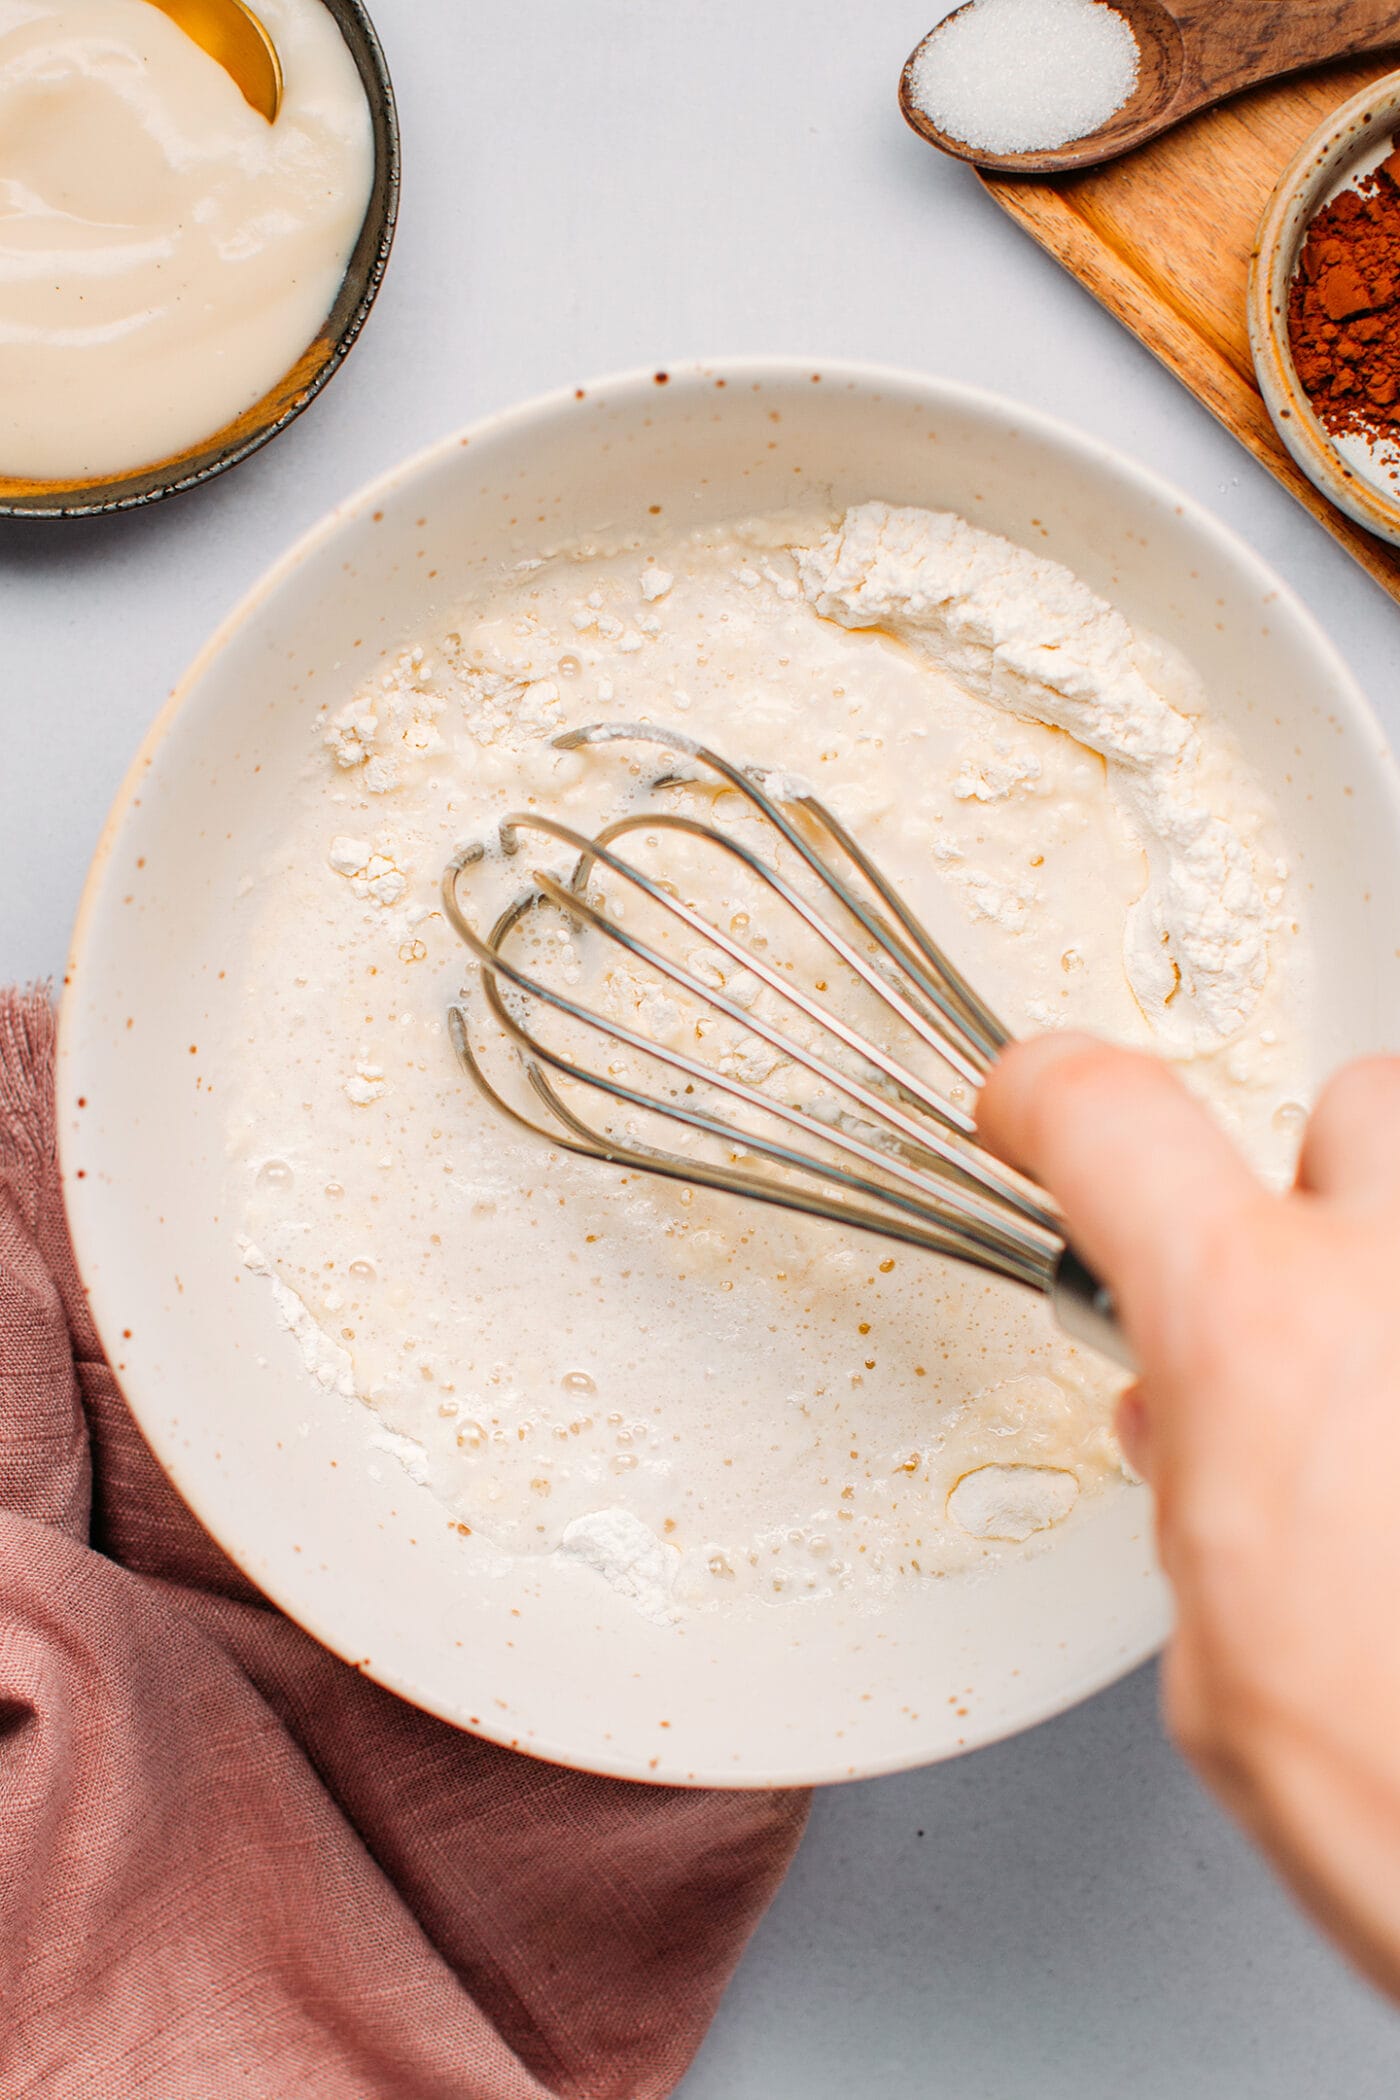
<point>878,1146</point>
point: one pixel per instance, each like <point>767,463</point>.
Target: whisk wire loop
<point>1019,1237</point>
<point>937,1033</point>
<point>938,978</point>
<point>575,903</point>
<point>579,1138</point>
<point>890,1152</point>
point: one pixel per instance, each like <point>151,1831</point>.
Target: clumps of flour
<point>407,1451</point>
<point>1028,636</point>
<point>372,876</point>
<point>330,1366</point>
<point>629,1556</point>
<point>366,1085</point>
<point>375,733</point>
<point>325,1361</point>
<point>1012,1502</point>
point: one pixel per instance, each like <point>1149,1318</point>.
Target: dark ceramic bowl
<point>27,498</point>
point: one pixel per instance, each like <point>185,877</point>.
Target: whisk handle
<point>1085,1309</point>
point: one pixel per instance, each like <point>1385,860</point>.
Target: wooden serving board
<point>1163,238</point>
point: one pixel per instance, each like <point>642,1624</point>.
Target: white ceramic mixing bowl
<point>540,1654</point>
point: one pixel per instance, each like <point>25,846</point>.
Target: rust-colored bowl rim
<point>318,363</point>
<point>1342,140</point>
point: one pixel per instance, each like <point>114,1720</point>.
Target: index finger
<point>1136,1165</point>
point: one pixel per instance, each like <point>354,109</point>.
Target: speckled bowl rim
<point>1296,198</point>
<point>208,457</point>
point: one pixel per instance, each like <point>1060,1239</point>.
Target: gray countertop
<point>595,186</point>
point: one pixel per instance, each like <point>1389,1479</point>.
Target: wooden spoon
<point>1191,53</point>
<point>233,36</point>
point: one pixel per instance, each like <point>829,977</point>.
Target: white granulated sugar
<point>704,1405</point>
<point>1029,637</point>
<point>1024,76</point>
<point>1012,1502</point>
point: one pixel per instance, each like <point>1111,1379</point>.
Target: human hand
<point>1267,1420</point>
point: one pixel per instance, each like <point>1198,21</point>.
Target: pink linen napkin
<point>231,1865</point>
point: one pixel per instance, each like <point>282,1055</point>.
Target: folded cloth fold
<point>231,1864</point>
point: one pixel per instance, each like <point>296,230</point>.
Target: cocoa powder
<point>1344,308</point>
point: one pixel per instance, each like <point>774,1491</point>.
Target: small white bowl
<point>537,1654</point>
<point>1351,473</point>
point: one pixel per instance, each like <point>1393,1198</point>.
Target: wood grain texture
<point>1230,44</point>
<point>1163,239</point>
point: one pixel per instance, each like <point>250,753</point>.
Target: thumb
<point>1136,1165</point>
